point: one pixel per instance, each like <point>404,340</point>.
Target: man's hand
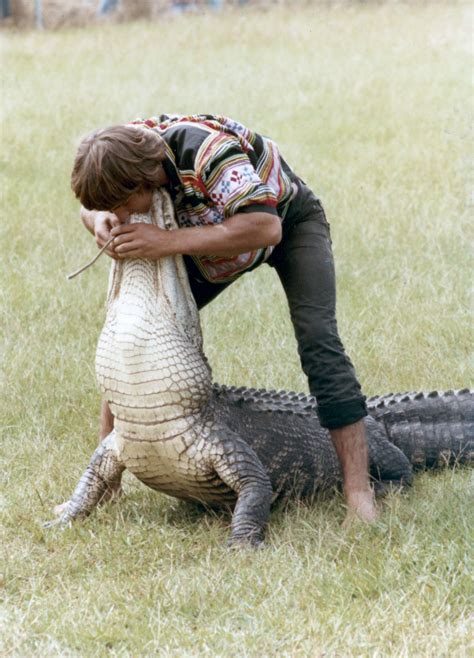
<point>100,224</point>
<point>103,225</point>
<point>141,241</point>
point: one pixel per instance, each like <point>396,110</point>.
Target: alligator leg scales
<point>238,466</point>
<point>103,473</point>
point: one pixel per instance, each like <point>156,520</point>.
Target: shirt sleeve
<point>230,180</point>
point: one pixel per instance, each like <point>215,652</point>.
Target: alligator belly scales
<point>181,435</point>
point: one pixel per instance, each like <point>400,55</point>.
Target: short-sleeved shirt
<point>217,168</point>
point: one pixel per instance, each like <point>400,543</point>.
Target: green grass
<point>372,106</point>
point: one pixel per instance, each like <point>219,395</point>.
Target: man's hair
<point>113,163</point>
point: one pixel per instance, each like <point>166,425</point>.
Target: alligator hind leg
<point>389,467</point>
<point>239,467</point>
<point>102,474</point>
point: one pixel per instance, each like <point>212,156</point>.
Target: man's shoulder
<point>196,144</point>
<point>186,139</point>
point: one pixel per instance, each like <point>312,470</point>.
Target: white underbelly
<point>175,468</point>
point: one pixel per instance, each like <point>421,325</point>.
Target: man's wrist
<point>173,243</point>
<point>88,218</point>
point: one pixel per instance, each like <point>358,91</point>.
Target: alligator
<point>239,447</point>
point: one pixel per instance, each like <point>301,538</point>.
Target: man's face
<point>138,202</point>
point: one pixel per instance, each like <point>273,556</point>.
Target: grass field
<point>372,106</point>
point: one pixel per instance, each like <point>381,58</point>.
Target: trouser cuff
<point>340,414</point>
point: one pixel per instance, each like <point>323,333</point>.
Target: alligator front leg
<point>102,474</point>
<point>240,468</point>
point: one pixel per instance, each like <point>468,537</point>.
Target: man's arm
<point>88,218</point>
<point>236,235</point>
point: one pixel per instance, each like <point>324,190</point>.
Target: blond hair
<point>113,163</point>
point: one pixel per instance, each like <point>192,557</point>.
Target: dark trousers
<point>304,263</point>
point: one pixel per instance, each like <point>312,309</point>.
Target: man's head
<point>113,163</point>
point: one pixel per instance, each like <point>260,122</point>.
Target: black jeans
<point>304,262</point>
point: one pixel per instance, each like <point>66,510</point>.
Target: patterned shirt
<point>216,168</point>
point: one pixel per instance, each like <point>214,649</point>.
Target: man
<point>238,205</point>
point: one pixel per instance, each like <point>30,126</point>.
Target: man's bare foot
<point>351,448</point>
<point>361,507</point>
<point>112,495</point>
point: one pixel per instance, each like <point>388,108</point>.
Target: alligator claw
<point>239,543</point>
<point>63,524</point>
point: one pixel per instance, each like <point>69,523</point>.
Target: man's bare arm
<point>88,218</point>
<point>236,235</point>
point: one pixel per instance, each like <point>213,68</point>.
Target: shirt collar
<point>171,170</point>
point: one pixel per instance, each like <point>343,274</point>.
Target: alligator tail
<point>431,429</point>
